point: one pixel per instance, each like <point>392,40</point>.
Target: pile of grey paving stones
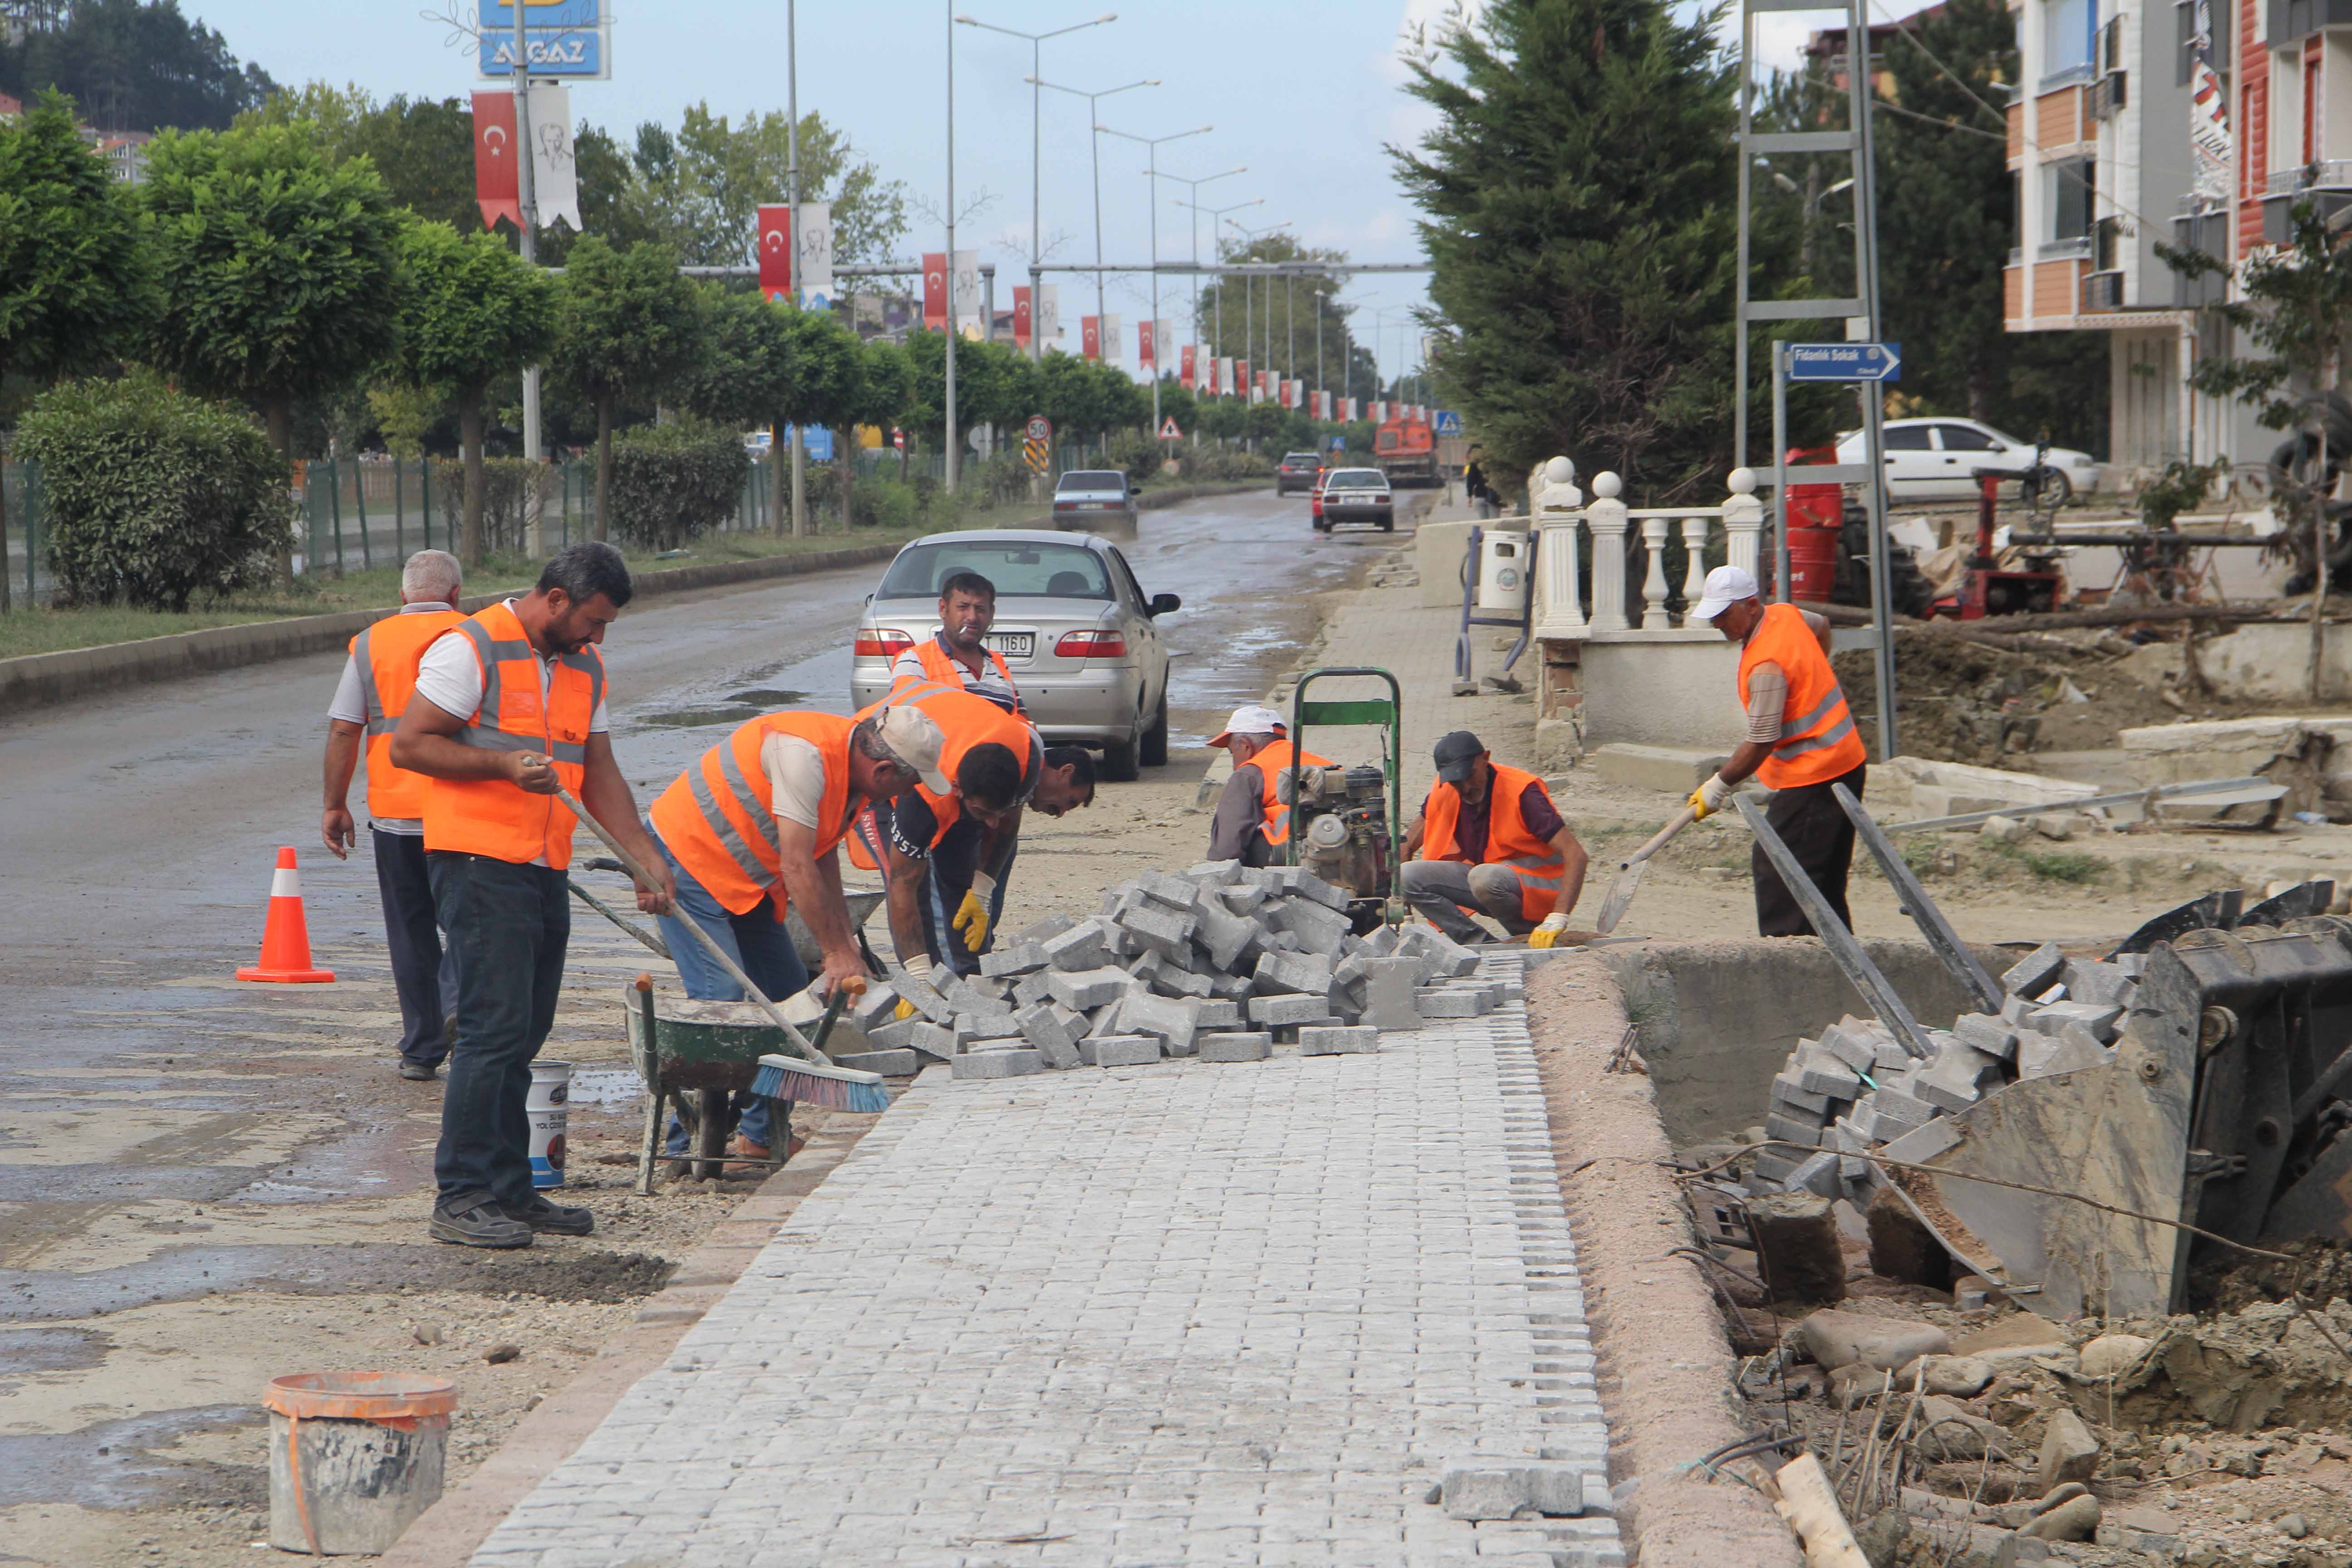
<point>1221,962</point>
<point>1855,1087</point>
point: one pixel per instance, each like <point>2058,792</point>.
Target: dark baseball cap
<point>1456,752</point>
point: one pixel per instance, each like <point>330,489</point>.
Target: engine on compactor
<point>1340,825</point>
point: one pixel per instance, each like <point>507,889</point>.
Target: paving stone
<point>1012,963</point>
<point>1318,930</point>
<point>1388,992</point>
<point>2035,973</point>
<point>896,1035</point>
<point>1174,1018</point>
<point>924,996</point>
<point>1288,1009</point>
<point>1158,928</point>
<point>1119,1050</point>
<point>2103,984</point>
<point>1787,1089</point>
<point>1790,1129</point>
<point>1255,1046</point>
<point>1303,973</point>
<point>889,1064</point>
<point>1218,1012</point>
<point>1987,1032</point>
<point>1182,983</point>
<point>1223,935</point>
<point>1011,1062</point>
<point>1448,1003</point>
<point>1030,989</point>
<point>1046,930</point>
<point>2101,1019</point>
<point>1051,1036</point>
<point>1243,899</point>
<point>1335,1040</point>
<point>1215,873</point>
<point>1087,989</point>
<point>1166,887</point>
<point>1958,1078</point>
<point>1077,949</point>
<point>932,1040</point>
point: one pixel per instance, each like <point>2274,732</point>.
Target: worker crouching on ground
<point>513,709</point>
<point>959,653</point>
<point>378,680</point>
<point>948,853</point>
<point>1253,819</point>
<point>1489,838</point>
<point>753,828</point>
<point>1801,741</point>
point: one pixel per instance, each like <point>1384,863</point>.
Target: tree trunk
<point>780,472</point>
<point>470,449</point>
<point>604,468</point>
<point>846,442</point>
<point>277,419</point>
<point>2319,566</point>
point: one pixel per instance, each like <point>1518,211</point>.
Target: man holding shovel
<point>1801,741</point>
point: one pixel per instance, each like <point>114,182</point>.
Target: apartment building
<point>2127,129</point>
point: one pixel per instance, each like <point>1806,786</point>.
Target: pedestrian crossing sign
<point>1167,431</point>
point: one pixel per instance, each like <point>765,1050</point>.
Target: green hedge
<point>673,483</point>
<point>150,497</point>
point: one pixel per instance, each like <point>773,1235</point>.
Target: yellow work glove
<point>971,916</point>
<point>906,1011</point>
<point>1548,932</point>
<point>1708,798</point>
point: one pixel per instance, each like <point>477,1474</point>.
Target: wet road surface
<point>168,1134</point>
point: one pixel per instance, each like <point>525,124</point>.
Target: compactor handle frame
<point>1361,711</point>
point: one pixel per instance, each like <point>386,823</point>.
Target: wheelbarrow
<point>692,1055</point>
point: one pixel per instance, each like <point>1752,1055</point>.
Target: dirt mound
<point>592,1277</point>
<point>1955,697</point>
<point>2322,1271</point>
<point>2262,1365</point>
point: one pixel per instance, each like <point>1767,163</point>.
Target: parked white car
<point>1937,459</point>
<point>1072,624</point>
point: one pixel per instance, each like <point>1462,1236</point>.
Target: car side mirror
<point>1165,604</point>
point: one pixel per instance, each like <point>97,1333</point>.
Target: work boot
<point>479,1222</point>
<point>419,1072</point>
<point>554,1218</point>
<point>742,1148</point>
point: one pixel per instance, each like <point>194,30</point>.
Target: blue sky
<point>1305,92</point>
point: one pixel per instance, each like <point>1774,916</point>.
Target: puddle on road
<point>110,1465</point>
<point>48,1350</point>
<point>695,718</point>
<point>767,697</point>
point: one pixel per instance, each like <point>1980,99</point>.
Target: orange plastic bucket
<point>354,1456</point>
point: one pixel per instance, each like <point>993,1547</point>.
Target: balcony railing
<point>2326,174</point>
<point>1613,529</point>
<point>2075,249</point>
<point>2103,291</point>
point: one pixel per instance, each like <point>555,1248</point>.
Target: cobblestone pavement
<point>1184,1313</point>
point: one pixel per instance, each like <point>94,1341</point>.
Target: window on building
<point>2070,183</point>
<point>2069,30</point>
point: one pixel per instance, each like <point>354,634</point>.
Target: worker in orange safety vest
<point>1489,839</point>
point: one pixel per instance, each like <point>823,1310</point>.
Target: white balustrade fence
<point>1561,513</point>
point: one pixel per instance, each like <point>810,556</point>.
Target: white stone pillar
<point>1695,567</point>
<point>1743,522</point>
<point>1558,523</point>
<point>1606,518</point>
<point>1653,579</point>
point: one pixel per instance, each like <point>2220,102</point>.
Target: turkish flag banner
<point>1243,384</point>
<point>1090,337</point>
<point>1146,356</point>
<point>776,252</point>
<point>497,188</point>
<point>935,290</point>
<point>1187,359</point>
<point>1023,317</point>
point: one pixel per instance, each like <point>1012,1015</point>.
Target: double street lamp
<point>1216,215</point>
<point>1252,235</point>
<point>1094,143</point>
<point>1151,144</point>
<point>1195,223</point>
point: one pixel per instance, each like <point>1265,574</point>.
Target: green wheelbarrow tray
<point>694,1054</point>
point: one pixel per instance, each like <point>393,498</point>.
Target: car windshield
<point>1356,480</point>
<point>1031,571</point>
<point>1092,479</point>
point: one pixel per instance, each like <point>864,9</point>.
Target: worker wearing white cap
<point>1801,741</point>
<point>1253,820</point>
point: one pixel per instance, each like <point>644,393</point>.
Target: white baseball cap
<point>1726,586</point>
<point>914,737</point>
<point>1250,720</point>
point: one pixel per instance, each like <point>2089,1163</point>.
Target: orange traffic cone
<point>285,939</point>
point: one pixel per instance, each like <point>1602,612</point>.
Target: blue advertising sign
<point>537,14</point>
<point>1845,361</point>
<point>570,39</point>
<point>817,441</point>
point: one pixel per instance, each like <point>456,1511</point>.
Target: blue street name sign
<point>1845,361</point>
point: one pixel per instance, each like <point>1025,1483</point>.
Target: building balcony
<point>2328,182</point>
<point>2102,291</point>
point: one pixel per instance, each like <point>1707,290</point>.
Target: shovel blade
<point>1621,893</point>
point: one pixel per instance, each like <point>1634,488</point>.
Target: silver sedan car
<point>1086,498</point>
<point>1073,626</point>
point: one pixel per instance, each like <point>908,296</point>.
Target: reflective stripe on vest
<point>721,824</point>
<point>947,669</point>
<point>965,719</point>
<point>1536,863</point>
<point>1818,741</point>
<point>1273,765</point>
<point>493,817</point>
<point>387,656</point>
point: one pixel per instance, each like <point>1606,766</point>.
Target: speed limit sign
<point>1040,428</point>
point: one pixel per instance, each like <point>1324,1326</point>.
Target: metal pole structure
<point>1873,485</point>
<point>1785,590</point>
<point>1216,217</point>
<point>1094,144</point>
<point>1193,206</point>
<point>792,185</point>
<point>1318,340</point>
<point>528,200</point>
<point>1151,145</point>
<point>952,440</point>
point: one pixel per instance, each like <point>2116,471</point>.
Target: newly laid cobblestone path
<point>1184,1313</point>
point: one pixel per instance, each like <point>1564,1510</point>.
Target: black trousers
<point>1821,837</point>
<point>509,926</point>
<point>955,859</point>
<point>426,985</point>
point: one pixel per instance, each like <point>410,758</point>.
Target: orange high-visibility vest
<point>718,816</point>
<point>1817,741</point>
<point>387,656</point>
<point>965,719</point>
<point>945,670</point>
<point>1536,863</point>
<point>1273,764</point>
<point>492,817</point>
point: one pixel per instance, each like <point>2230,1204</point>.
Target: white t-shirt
<point>795,771</point>
<point>450,678</point>
<point>350,706</point>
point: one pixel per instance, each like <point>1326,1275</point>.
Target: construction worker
<point>959,655</point>
<point>743,853</point>
<point>1253,819</point>
<point>378,678</point>
<point>1489,838</point>
<point>1801,741</point>
<point>509,709</point>
<point>948,854</point>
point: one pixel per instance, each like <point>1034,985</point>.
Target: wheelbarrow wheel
<point>710,1135</point>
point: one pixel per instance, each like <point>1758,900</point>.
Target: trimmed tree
<point>1581,233</point>
<point>472,311</point>
<point>75,288</point>
<point>279,274</point>
<point>630,325</point>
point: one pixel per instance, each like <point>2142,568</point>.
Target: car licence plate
<point>1013,644</point>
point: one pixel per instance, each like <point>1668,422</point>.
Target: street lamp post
<point>1195,223</point>
<point>1151,144</point>
<point>1094,143</point>
<point>1252,235</point>
<point>1036,98</point>
<point>793,195</point>
<point>953,441</point>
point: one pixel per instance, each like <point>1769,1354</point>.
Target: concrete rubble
<point>1221,961</point>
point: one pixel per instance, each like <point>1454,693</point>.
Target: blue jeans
<point>762,946</point>
<point>509,926</point>
<point>424,974</point>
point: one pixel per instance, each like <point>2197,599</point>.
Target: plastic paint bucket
<point>548,1108</point>
<point>354,1456</point>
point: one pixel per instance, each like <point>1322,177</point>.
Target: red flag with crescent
<point>935,290</point>
<point>1024,317</point>
<point>1187,365</point>
<point>498,189</point>
<point>1090,337</point>
<point>1147,355</point>
<point>776,252</point>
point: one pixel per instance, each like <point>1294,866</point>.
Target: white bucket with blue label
<point>549,1109</point>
